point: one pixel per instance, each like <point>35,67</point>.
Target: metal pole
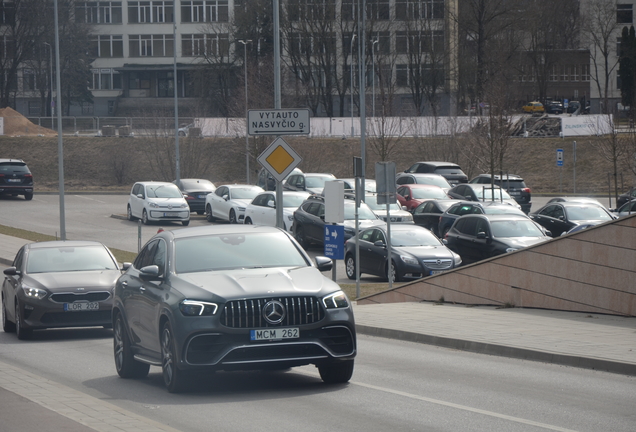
<point>277,105</point>
<point>176,99</point>
<point>51,89</point>
<point>60,141</point>
<point>352,39</point>
<point>247,137</point>
<point>373,73</point>
<point>363,108</point>
<point>574,153</point>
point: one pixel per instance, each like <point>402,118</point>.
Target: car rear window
<point>515,184</point>
<point>448,170</point>
<point>14,167</point>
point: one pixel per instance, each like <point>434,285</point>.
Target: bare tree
<point>599,33</point>
<point>613,148</point>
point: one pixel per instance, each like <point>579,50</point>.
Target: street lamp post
<point>247,138</point>
<point>352,39</point>
<point>373,72</point>
<point>51,89</point>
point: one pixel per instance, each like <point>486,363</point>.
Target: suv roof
<point>497,177</point>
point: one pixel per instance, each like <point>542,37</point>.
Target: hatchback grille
<point>89,296</point>
<point>249,313</point>
<point>442,264</point>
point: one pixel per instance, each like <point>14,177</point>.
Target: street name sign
<point>278,122</point>
<point>279,159</point>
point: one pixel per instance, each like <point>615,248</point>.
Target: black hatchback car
<point>15,178</point>
<point>511,183</point>
<point>560,217</point>
<point>480,236</point>
<point>229,297</point>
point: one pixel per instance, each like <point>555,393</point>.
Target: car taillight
<point>526,190</point>
<point>188,197</point>
<point>28,176</point>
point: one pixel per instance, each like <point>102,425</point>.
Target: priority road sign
<point>334,241</point>
<point>278,122</point>
<point>279,159</point>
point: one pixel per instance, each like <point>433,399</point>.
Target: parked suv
<point>451,171</point>
<point>15,178</point>
<point>513,184</point>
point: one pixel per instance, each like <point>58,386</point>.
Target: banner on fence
<point>586,125</point>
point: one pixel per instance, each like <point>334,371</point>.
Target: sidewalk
<point>577,339</point>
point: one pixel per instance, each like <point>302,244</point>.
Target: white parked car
<point>396,212</point>
<point>228,202</point>
<point>262,209</point>
<point>156,202</point>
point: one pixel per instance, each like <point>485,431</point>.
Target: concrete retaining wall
<point>593,270</point>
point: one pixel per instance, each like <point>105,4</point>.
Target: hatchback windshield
<point>515,228</point>
<point>236,251</point>
<point>163,191</point>
<point>68,259</point>
<point>587,213</point>
<point>316,182</point>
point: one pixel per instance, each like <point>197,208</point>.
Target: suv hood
<point>245,283</point>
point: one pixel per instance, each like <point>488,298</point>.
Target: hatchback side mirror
<point>11,271</point>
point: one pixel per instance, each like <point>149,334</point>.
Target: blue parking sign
<point>334,241</point>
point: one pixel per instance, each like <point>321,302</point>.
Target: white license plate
<point>14,180</point>
<point>275,334</point>
<point>201,196</point>
<point>434,272</point>
<point>83,306</point>
<point>515,193</point>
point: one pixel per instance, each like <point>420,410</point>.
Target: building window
<point>28,80</point>
<point>419,9</point>
<point>34,108</point>
<point>624,13</point>
<point>87,108</point>
<point>193,11</point>
<point>108,46</point>
<point>106,79</point>
<point>585,72</point>
<point>575,73</point>
<point>311,10</point>
<point>7,12</point>
<point>402,75</point>
<point>378,10</point>
<point>200,45</point>
<point>151,11</point>
<point>98,12</point>
<point>564,73</point>
<point>139,81</point>
<point>150,45</point>
<point>554,73</point>
<point>349,10</point>
<point>7,47</point>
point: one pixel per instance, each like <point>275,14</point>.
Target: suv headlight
<point>336,300</point>
<point>197,308</point>
<point>34,293</point>
<point>511,249</point>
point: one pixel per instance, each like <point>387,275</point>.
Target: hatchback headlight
<point>153,205</point>
<point>197,308</point>
<point>34,293</point>
<point>336,300</point>
<point>184,205</point>
<point>409,260</point>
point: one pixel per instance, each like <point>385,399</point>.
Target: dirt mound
<point>15,124</point>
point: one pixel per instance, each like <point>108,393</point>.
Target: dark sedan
<point>415,253</point>
<point>480,236</point>
<point>58,284</point>
<point>627,196</point>
<point>428,213</point>
<point>480,192</point>
<point>229,297</point>
<point>560,217</point>
<point>461,208</point>
<point>194,191</point>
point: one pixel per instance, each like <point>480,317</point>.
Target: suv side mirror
<point>150,272</point>
<point>481,235</point>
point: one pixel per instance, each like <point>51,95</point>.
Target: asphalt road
<point>396,386</point>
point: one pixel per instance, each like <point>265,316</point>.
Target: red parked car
<point>412,195</point>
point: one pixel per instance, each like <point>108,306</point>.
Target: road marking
<point>456,406</point>
<point>90,199</point>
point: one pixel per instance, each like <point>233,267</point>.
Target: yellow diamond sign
<point>279,159</point>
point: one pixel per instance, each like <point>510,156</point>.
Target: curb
<point>502,350</point>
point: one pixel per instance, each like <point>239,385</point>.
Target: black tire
<point>28,196</point>
<point>20,331</point>
<point>300,237</point>
<point>185,223</point>
<point>350,266</point>
<point>248,221</point>
<point>125,363</point>
<point>7,326</point>
<point>336,373</point>
<point>129,214</point>
<point>208,214</point>
<point>232,218</point>
<point>175,379</point>
<point>394,272</point>
<point>144,218</point>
